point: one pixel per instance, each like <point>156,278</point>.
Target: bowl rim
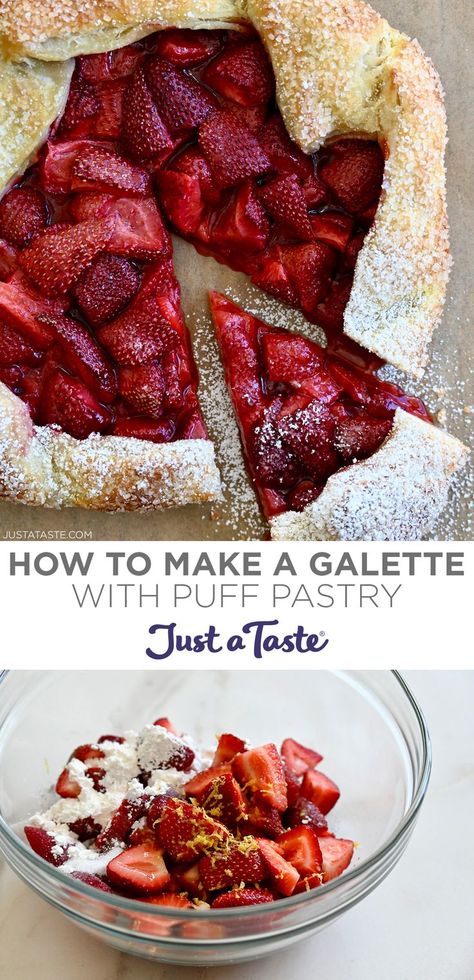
<point>120,904</point>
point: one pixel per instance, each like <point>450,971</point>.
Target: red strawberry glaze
<point>186,122</point>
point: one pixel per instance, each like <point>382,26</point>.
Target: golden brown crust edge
<point>41,466</point>
<point>395,495</point>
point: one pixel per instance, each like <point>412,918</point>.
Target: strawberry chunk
<point>189,879</point>
<point>83,355</point>
<point>285,156</point>
<point>308,883</point>
<point>23,215</point>
<point>360,437</point>
<point>233,152</point>
<point>337,854</point>
<point>320,790</point>
<point>67,402</point>
<point>289,358</point>
<point>88,204</point>
<point>85,828</point>
<point>140,870</point>
<point>100,169</point>
<point>137,428</point>
<point>309,432</point>
<point>273,278</point>
<point>298,757</point>
<point>143,387</point>
<point>8,259</point>
<point>274,463</point>
<point>303,494</point>
<point>292,784</point>
<point>300,846</point>
<point>82,105</point>
<point>57,165</point>
<point>170,899</point>
<point>260,771</point>
<point>66,786</point>
<point>57,258</point>
<point>330,313</point>
<point>332,229</point>
<point>243,224</point>
<point>304,812</point>
<point>14,349</point>
<point>106,287</point>
<point>283,875</point>
<point>201,783</point>
<point>186,47</point>
<point>193,163</point>
<point>140,334</point>
<point>227,747</point>
<point>166,723</point>
<point>93,880</point>
<point>239,861</point>
<point>46,846</point>
<point>143,130</point>
<point>138,229</point>
<point>108,122</point>
<point>284,200</point>
<point>22,306</point>
<point>181,199</point>
<point>353,172</point>
<point>121,823</point>
<point>263,820</point>
<point>239,897</point>
<point>186,831</point>
<point>309,268</point>
<point>182,102</point>
<point>242,73</point>
<point>222,798</point>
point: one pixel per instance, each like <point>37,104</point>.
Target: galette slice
<point>334,452</point>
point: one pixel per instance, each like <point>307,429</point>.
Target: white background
<point>416,926</point>
<point>428,625</point>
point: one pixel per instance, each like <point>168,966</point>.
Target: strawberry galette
<point>299,143</point>
<point>149,817</point>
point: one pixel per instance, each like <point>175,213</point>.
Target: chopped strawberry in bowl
<point>211,849</point>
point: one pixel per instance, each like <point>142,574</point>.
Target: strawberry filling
<point>182,125</point>
<point>248,830</point>
<point>303,413</point>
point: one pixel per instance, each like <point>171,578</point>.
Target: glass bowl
<point>366,723</point>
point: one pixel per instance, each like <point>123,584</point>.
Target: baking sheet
<point>446,32</point>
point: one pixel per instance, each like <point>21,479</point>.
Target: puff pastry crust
<point>339,68</point>
<point>39,465</point>
<point>396,494</point>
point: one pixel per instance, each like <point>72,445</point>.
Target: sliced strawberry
<point>57,165</point>
<point>186,831</point>
<point>141,835</point>
<point>87,752</point>
<point>99,168</point>
<point>139,335</point>
<point>139,232</point>
<point>301,848</point>
<point>227,747</point>
<point>309,268</point>
<point>360,437</point>
<point>189,879</point>
<point>285,156</point>
<point>187,47</point>
<point>96,775</point>
<point>172,900</point>
<point>8,259</point>
<point>283,875</point>
<point>223,800</point>
<point>143,130</point>
<point>233,152</point>
<point>66,786</point>
<point>46,846</point>
<point>243,224</point>
<point>22,306</point>
<point>82,105</point>
<point>337,855</point>
<point>140,870</point>
<point>292,784</point>
<point>332,229</point>
<point>320,790</point>
<point>166,723</point>
<point>285,201</point>
<point>201,783</point>
<point>353,172</point>
<point>106,287</point>
<point>68,403</point>
<point>298,757</point>
<point>304,812</point>
<point>263,820</point>
<point>309,432</point>
<point>14,349</point>
<point>137,428</point>
<point>121,823</point>
<point>57,258</point>
<point>181,101</point>
<point>330,313</point>
<point>85,828</point>
<point>95,67</point>
<point>108,122</point>
<point>93,880</point>
<point>193,163</point>
<point>83,355</point>
<point>290,358</point>
<point>273,278</point>
<point>237,335</point>
<point>242,73</point>
<point>240,861</point>
<point>260,771</point>
<point>315,192</point>
<point>274,463</point>
<point>239,897</point>
<point>143,387</point>
<point>111,738</point>
<point>88,204</point>
<point>110,64</point>
<point>308,883</point>
<point>181,199</point>
<point>23,215</point>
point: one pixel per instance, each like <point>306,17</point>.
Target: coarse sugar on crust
<point>396,494</point>
<point>39,465</point>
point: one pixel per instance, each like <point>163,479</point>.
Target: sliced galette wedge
<point>334,452</point>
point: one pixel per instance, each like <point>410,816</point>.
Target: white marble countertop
<point>416,926</point>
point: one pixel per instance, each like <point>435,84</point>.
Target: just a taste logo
<point>258,637</point>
